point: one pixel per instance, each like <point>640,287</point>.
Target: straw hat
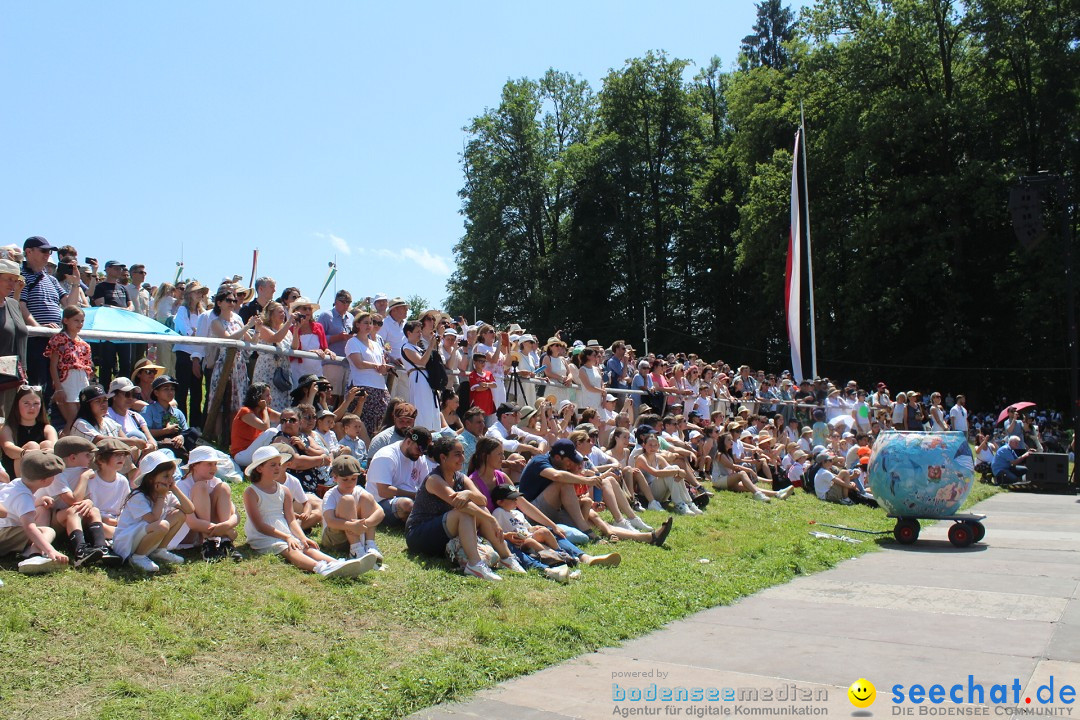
<point>146,364</point>
<point>304,301</point>
<point>553,341</point>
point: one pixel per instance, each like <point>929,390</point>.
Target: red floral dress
<point>71,353</point>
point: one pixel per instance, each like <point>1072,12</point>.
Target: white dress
<point>306,366</point>
<point>271,507</point>
<point>558,368</point>
<point>586,398</point>
<point>421,395</point>
<point>131,528</point>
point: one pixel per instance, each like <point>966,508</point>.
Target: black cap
<point>37,242</point>
<point>504,492</point>
<point>91,392</point>
<point>420,436</point>
<point>505,409</point>
<point>161,381</point>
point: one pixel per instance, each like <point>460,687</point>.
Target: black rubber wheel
<point>979,530</point>
<point>906,531</point>
<point>961,534</point>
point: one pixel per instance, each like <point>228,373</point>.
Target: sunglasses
<point>290,420</point>
<point>229,300</point>
<point>308,417</point>
<point>378,323</point>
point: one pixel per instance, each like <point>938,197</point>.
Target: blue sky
<point>140,131</point>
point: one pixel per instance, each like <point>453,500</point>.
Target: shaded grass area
<point>260,639</point>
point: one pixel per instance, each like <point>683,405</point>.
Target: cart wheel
<point>906,531</point>
<point>961,534</point>
<point>979,530</point>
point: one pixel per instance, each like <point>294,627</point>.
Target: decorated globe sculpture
<point>921,474</point>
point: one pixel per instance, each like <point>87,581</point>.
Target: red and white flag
<point>793,285</point>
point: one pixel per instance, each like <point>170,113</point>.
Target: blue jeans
<point>569,548</point>
<point>526,560</point>
<point>1012,474</point>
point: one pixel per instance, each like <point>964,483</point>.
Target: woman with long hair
<point>368,369</point>
<point>276,330</point>
<point>420,342</point>
<point>253,424</point>
<point>730,475</point>
<point>163,306</point>
<point>26,428</point>
<point>227,323</point>
<point>309,335</point>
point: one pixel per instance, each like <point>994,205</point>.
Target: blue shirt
<point>1003,459</point>
<point>158,416</point>
<point>640,382</point>
<point>532,483</point>
<point>468,442</point>
<point>615,369</point>
<point>335,324</point>
<point>357,448</point>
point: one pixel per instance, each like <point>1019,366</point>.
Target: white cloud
<point>339,244</point>
<point>435,264</point>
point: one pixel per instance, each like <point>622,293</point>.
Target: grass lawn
<point>260,639</point>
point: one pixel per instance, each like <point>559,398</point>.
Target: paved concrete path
<point>928,613</point>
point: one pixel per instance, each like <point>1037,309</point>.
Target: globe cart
<point>967,528</point>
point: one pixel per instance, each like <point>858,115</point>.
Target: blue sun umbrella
<point>111,319</point>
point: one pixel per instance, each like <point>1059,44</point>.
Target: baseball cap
<point>114,263</point>
<point>505,492</point>
<point>565,449</point>
<point>37,242</point>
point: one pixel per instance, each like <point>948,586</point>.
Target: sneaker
<point>624,524</point>
<point>558,574</point>
<point>110,559</point>
<point>638,507</point>
<point>511,563</point>
<point>659,536</point>
<point>682,509</point>
<point>611,560</point>
<point>210,551</point>
<point>785,493</point>
<point>144,563</point>
<point>37,565</point>
<point>87,555</point>
<point>575,575</point>
<point>846,501</point>
<point>481,571</point>
<point>694,509</point>
<point>761,497</point>
<point>353,567</point>
<point>358,549</point>
<point>226,549</point>
<point>639,524</point>
<point>655,506</point>
<point>373,549</point>
<point>164,557</point>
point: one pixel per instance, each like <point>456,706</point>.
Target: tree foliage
<point>665,192</point>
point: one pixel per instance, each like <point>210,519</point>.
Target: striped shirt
<point>42,296</point>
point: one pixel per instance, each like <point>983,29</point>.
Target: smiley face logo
<point>862,693</point>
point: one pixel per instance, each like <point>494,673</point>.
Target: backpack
<point>436,372</point>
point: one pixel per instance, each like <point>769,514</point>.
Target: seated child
<point>272,527</point>
<point>350,427</point>
<point>324,430</point>
<point>307,506</point>
<point>108,488</point>
<point>212,525</point>
<point>795,471</point>
<point>526,538</point>
<point>350,513</point>
<point>72,509</point>
<point>152,515</point>
<point>24,528</point>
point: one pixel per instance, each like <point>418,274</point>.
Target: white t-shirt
<point>511,438</point>
<point>108,497</point>
<point>371,352</point>
<point>600,458</point>
<point>18,500</point>
<point>511,520</point>
<point>391,467</point>
<point>795,472</point>
<point>292,484</point>
<point>393,334</point>
<point>130,521</point>
<point>333,497</point>
<point>822,482</point>
<point>959,415</point>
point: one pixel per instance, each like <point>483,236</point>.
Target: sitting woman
<point>730,475</point>
<point>450,402</point>
<point>132,423</point>
<point>984,456</point>
<point>485,468</point>
<point>27,428</point>
<point>143,374</point>
<point>255,425</point>
<point>633,479</point>
<point>664,479</point>
<point>448,505</point>
<point>93,422</point>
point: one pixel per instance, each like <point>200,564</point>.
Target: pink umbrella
<point>1015,406</point>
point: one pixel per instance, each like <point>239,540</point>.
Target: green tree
<point>774,26</point>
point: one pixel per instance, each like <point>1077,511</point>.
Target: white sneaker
<point>354,567</point>
<point>358,549</point>
<point>560,573</point>
<point>511,563</point>
<point>639,524</point>
<point>575,575</point>
<point>144,563</point>
<point>163,556</point>
<point>37,565</point>
<point>624,524</point>
<point>695,509</point>
<point>682,509</point>
<point>655,506</point>
<point>374,550</point>
<point>761,497</point>
<point>786,492</point>
<point>481,571</point>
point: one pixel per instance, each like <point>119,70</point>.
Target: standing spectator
<point>421,395</point>
<point>307,335</point>
<point>393,334</point>
<point>937,413</point>
<point>40,305</point>
<point>367,369</point>
<point>163,309</point>
<point>265,287</point>
<point>139,295</point>
<point>68,277</point>
<point>276,330</point>
<point>227,324</point>
<point>958,415</point>
<point>70,367</point>
<point>188,356</point>
<point>337,327</point>
<point>591,394</point>
<point>13,333</point>
<point>111,292</point>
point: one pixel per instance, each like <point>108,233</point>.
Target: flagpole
<point>809,251</point>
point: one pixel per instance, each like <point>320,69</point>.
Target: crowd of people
<point>498,448</point>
